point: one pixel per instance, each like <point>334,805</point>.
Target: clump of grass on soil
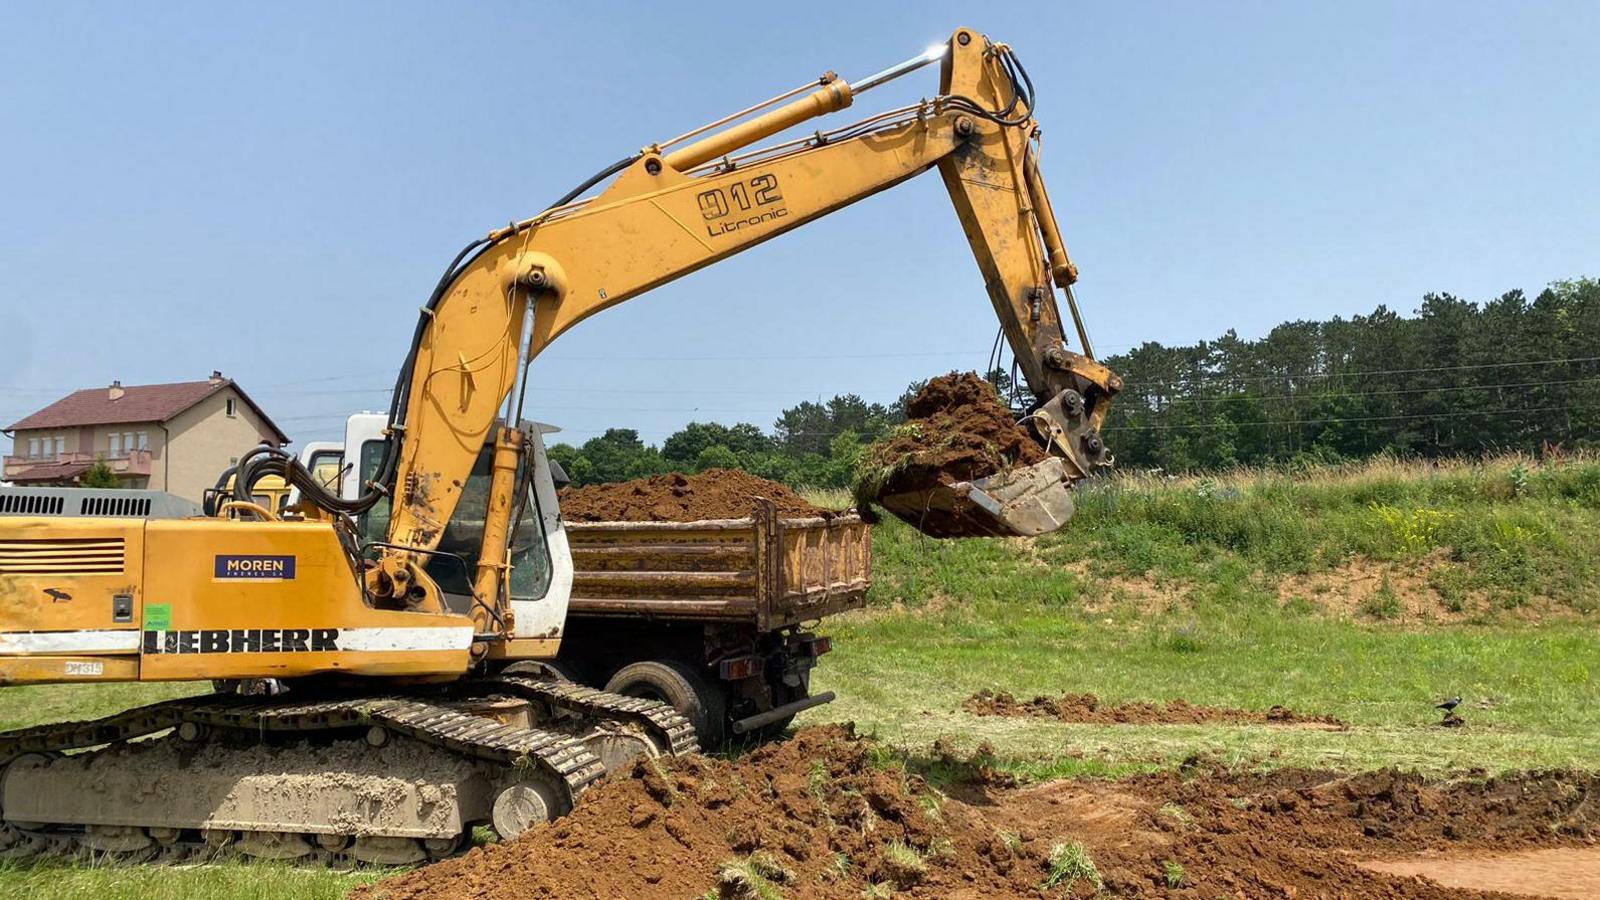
<point>1068,864</point>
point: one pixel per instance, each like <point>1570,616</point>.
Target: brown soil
<point>956,430</point>
<point>1569,872</point>
<point>1087,709</point>
<point>820,819</point>
<point>712,494</point>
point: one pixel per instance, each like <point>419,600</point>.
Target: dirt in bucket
<point>712,494</point>
<point>956,430</point>
<point>831,814</point>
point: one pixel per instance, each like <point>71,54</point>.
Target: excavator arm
<point>668,213</point>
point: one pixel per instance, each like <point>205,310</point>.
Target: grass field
<point>1365,593</point>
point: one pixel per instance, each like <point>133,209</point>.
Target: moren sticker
<point>254,568</point>
<point>242,640</point>
<point>157,616</point>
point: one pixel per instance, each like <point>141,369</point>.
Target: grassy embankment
<point>1364,593</point>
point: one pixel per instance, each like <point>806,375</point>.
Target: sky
<point>272,190</point>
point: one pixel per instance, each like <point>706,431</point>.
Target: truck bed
<point>762,570</point>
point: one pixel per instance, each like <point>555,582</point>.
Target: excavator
<point>412,714</point>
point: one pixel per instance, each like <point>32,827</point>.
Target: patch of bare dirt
<point>820,816</point>
<point>1419,591</point>
<point>1088,710</point>
<point>1567,872</point>
<point>712,494</point>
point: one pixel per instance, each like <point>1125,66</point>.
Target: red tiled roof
<point>51,471</point>
<point>138,403</point>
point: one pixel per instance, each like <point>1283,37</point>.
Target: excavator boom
<point>668,213</point>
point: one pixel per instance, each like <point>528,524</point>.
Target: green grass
<point>1053,615</point>
<point>1070,864</point>
<point>1509,530</point>
<point>903,675</point>
<point>235,881</point>
<point>37,704</point>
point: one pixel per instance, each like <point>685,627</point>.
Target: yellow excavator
<point>414,714</point>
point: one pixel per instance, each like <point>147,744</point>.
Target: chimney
<point>115,392</point>
<point>216,377</point>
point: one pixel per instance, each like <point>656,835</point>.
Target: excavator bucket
<point>1022,502</point>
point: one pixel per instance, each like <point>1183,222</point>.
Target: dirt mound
<point>828,814</point>
<point>812,814</point>
<point>712,494</point>
<point>956,430</point>
<point>1087,709</point>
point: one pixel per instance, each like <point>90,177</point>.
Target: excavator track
<point>380,780</point>
<point>671,732</point>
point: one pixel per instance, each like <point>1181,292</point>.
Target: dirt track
<point>825,821</point>
<point>1087,709</point>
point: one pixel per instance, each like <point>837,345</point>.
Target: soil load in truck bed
<point>712,494</point>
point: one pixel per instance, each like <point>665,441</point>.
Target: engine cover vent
<point>128,507</point>
<point>31,504</point>
<point>61,556</point>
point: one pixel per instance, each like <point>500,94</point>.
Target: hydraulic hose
<point>381,484</point>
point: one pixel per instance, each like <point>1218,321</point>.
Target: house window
<point>232,407</point>
<point>33,448</point>
<point>116,444</point>
<point>61,445</point>
<point>144,440</point>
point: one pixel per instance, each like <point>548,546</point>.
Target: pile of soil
<point>822,815</point>
<point>1087,709</point>
<point>712,494</point>
<point>956,430</point>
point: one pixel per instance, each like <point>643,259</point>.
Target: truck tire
<point>681,687</point>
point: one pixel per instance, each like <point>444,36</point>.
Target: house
<point>167,437</point>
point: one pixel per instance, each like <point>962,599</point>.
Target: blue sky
<point>271,190</point>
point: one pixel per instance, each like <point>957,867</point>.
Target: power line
<point>1201,379</point>
<point>1223,398</point>
<point>1339,420</point>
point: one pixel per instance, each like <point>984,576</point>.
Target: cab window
<point>327,465</point>
<point>530,553</point>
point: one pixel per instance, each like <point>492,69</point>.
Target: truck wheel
<point>680,687</point>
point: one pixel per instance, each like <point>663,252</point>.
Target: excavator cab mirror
<point>559,476</point>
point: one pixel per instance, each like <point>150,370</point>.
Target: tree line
<point>1454,378</point>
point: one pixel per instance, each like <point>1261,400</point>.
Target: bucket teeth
<point>1022,502</point>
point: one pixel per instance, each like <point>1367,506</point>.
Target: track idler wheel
<point>523,805</point>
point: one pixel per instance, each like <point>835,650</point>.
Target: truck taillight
<point>739,668</point>
<point>818,646</point>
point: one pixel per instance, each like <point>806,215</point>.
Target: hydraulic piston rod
<point>829,98</point>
